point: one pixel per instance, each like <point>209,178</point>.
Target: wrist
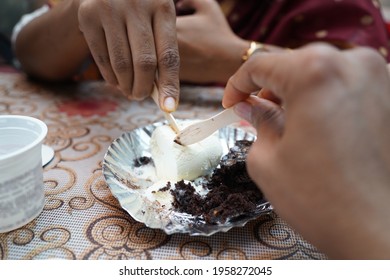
<point>259,47</point>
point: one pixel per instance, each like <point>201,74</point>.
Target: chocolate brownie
<point>231,193</point>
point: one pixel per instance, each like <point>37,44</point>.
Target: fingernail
<point>244,110</point>
<point>170,104</point>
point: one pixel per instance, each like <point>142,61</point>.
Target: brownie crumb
<point>166,188</point>
<point>186,199</point>
<point>138,162</point>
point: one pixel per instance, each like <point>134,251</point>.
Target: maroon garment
<point>293,23</point>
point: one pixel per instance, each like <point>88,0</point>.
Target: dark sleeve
<point>347,23</point>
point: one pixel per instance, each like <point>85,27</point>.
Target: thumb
<point>264,115</point>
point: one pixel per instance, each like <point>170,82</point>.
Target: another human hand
<point>130,42</point>
<point>322,156</point>
<point>209,50</point>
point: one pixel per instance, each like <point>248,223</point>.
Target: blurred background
<point>12,10</point>
<point>10,13</point>
<point>386,9</point>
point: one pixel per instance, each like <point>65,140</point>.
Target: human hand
<point>132,40</point>
<point>209,50</point>
<point>322,156</point>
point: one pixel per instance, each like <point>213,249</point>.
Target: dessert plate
<point>131,177</point>
<point>47,154</point>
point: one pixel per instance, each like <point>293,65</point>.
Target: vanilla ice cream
<point>175,162</point>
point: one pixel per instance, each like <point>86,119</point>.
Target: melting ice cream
<point>175,162</point>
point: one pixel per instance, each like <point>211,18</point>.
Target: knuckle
<point>85,12</point>
<point>102,59</point>
<point>170,58</point>
<point>167,7</point>
<point>107,5</point>
<point>121,65</point>
<point>146,62</point>
<point>321,65</point>
<point>85,7</point>
<point>89,10</point>
<point>120,62</point>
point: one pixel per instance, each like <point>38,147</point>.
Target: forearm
<point>51,46</point>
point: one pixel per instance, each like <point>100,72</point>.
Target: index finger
<point>168,60</point>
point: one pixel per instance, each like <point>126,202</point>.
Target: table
<point>81,219</point>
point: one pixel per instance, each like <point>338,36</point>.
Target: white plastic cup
<point>22,194</point>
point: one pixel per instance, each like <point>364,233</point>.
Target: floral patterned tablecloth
<point>81,218</point>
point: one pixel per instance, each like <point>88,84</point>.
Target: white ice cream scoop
<point>175,162</point>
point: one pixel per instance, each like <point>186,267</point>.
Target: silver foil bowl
<point>131,184</point>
